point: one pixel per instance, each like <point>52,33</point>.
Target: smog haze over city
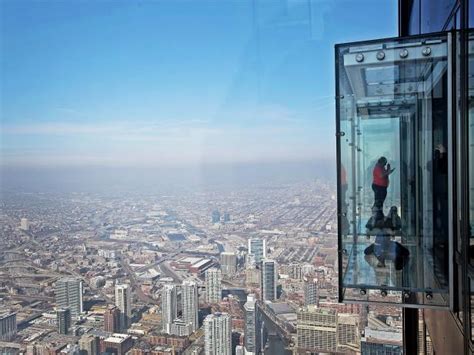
<point>153,151</point>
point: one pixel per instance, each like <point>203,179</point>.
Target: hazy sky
<point>151,83</point>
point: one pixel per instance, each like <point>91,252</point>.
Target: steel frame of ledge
<point>451,124</point>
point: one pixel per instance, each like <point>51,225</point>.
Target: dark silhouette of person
<point>375,219</point>
<point>384,248</point>
<point>380,181</point>
<point>439,170</point>
<point>343,189</point>
<point>393,220</point>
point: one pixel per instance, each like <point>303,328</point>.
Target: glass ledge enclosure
<point>394,157</point>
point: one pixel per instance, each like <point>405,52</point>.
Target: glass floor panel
<point>365,272</point>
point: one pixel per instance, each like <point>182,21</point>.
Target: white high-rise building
<point>69,295</point>
<point>310,288</point>
<point>218,334</point>
<point>250,331</point>
<point>24,224</point>
<point>124,302</point>
<point>213,278</point>
<point>268,280</point>
<point>257,250</point>
<point>169,307</point>
<point>228,263</point>
<point>190,303</point>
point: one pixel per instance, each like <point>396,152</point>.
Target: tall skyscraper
<point>316,330</point>
<point>89,345</point>
<point>268,280</point>
<point>123,302</point>
<point>8,327</point>
<point>69,295</point>
<point>169,307</point>
<point>213,279</point>
<point>63,320</point>
<point>112,319</point>
<point>310,287</point>
<point>228,263</point>
<point>249,331</point>
<point>189,298</point>
<point>218,334</point>
<point>216,216</point>
<point>226,217</point>
<point>257,250</point>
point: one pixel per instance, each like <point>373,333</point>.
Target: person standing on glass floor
<point>380,181</point>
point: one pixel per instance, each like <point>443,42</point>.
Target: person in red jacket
<point>380,181</point>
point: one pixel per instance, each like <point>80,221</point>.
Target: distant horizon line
<point>168,165</point>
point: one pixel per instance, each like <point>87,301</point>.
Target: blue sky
<point>151,83</point>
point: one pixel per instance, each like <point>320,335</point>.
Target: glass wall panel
<point>414,24</point>
<point>470,103</point>
<point>435,14</point>
<point>393,164</point>
<point>471,14</point>
<point>470,160</point>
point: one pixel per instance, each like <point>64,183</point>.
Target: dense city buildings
<point>162,275</point>
<point>69,292</point>
<point>213,280</point>
<point>218,334</point>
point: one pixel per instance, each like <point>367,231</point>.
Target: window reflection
<point>414,23</point>
<point>434,14</point>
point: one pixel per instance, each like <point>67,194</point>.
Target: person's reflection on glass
<point>384,248</point>
<point>377,216</point>
<point>393,220</point>
<point>380,181</point>
<point>376,226</point>
<point>344,187</point>
<point>439,170</point>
